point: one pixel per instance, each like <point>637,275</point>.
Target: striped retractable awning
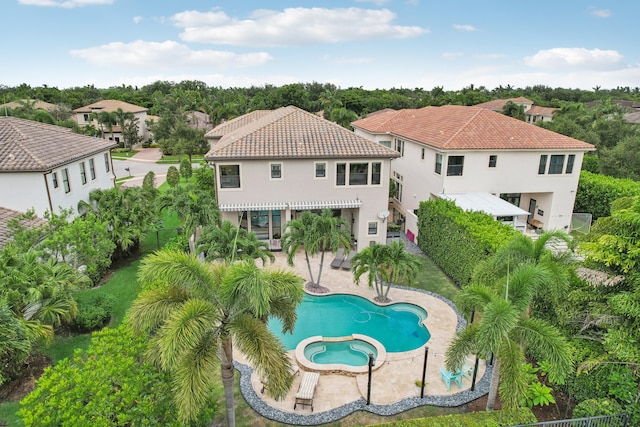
<point>328,204</point>
<point>239,207</point>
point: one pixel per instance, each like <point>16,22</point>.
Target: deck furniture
<point>293,370</point>
<point>307,389</point>
<point>337,261</point>
<point>449,377</point>
<point>346,264</point>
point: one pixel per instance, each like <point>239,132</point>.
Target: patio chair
<point>307,389</point>
<point>293,370</point>
<point>337,261</point>
<point>346,264</point>
<point>449,377</point>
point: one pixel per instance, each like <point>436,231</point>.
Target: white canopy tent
<point>489,204</point>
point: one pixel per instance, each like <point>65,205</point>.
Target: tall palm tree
<point>506,331</point>
<point>230,243</point>
<point>195,312</point>
<point>384,264</point>
<point>299,235</point>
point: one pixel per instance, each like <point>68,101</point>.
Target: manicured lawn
<point>8,414</point>
<point>172,159</point>
<point>123,155</point>
<point>431,278</point>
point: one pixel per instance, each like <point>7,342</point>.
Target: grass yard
<point>174,159</point>
<point>123,155</point>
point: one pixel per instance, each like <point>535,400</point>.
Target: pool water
<point>351,352</point>
<point>397,326</point>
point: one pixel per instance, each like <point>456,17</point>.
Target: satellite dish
<point>383,215</point>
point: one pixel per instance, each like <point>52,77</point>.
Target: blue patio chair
<point>449,377</point>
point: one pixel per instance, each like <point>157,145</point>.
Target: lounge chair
<point>338,259</point>
<point>307,389</point>
<point>346,264</point>
<point>293,370</point>
<point>449,377</point>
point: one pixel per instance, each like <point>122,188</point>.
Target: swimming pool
<point>351,352</point>
<point>398,327</point>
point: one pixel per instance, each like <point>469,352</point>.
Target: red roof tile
<point>453,127</point>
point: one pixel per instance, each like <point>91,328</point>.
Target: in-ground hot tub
<point>348,354</point>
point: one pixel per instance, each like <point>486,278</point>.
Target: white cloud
<point>68,4</point>
<point>166,55</point>
<point>600,13</point>
<point>586,59</point>
<point>452,55</point>
<point>137,19</point>
<point>465,27</point>
<point>293,27</point>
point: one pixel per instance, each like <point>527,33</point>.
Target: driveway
<point>139,165</point>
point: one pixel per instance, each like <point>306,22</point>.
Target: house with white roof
<point>83,117</point>
<point>272,165</point>
<point>45,167</point>
<point>480,159</point>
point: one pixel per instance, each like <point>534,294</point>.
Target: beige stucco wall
<point>299,184</point>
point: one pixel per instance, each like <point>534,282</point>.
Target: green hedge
<point>457,240</point>
<point>471,419</point>
<point>596,192</point>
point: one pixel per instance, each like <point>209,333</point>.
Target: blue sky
<point>350,43</point>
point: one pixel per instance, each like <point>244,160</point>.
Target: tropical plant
<point>173,176</point>
<point>186,170</point>
<point>383,265</point>
<point>506,331</point>
<point>195,312</point>
<point>15,343</point>
<point>194,206</point>
<point>230,243</point>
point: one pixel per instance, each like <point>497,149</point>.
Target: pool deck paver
<point>395,380</point>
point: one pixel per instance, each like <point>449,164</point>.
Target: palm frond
<point>153,307</point>
<point>463,344</point>
<point>498,319</point>
<point>512,363</point>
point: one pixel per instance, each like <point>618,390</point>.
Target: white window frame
<point>66,183</point>
<point>107,166</point>
<point>54,180</point>
<point>315,171</point>
<point>271,177</point>
<point>347,173</point>
<point>83,173</point>
<point>435,166</point>
<point>369,227</point>
<point>220,177</point>
<point>92,169</point>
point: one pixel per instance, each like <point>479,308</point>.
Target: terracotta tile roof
<point>541,111</point>
<point>498,104</point>
<point>38,105</point>
<point>233,124</point>
<point>110,105</point>
<point>454,127</point>
<point>290,132</point>
<point>8,214</point>
<point>26,145</point>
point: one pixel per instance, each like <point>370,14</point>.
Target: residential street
<point>138,166</point>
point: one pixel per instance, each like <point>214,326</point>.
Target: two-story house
<point>534,113</point>
<point>272,165</point>
<point>46,167</point>
<point>84,117</point>
<point>453,150</point>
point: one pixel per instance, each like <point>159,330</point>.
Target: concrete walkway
<point>150,155</point>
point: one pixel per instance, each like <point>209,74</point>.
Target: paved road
<point>138,166</point>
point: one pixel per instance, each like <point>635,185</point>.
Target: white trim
<point>271,178</point>
<point>329,204</point>
<point>241,207</point>
<point>369,223</point>
<point>219,176</point>
<point>326,171</point>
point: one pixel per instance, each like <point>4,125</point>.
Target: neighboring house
<point>453,150</point>
<point>46,167</point>
<point>199,120</point>
<point>7,215</point>
<point>83,117</point>
<point>272,165</point>
<point>633,109</point>
<point>37,105</point>
<point>534,113</point>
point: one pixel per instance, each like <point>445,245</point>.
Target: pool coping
<point>332,415</point>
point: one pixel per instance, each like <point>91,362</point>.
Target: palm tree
<point>384,264</point>
<point>194,206</point>
<point>315,234</point>
<point>506,331</point>
<point>195,312</point>
<point>230,243</point>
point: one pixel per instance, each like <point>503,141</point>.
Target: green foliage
<point>186,170</point>
<point>538,395</point>
<point>149,185</point>
<point>457,240</point>
<point>110,385</point>
<point>596,407</point>
<point>231,243</point>
<point>173,176</point>
<point>473,419</point>
<point>94,311</point>
<point>15,344</point>
<point>203,178</point>
<point>596,193</point>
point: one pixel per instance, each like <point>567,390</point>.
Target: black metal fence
<point>620,420</point>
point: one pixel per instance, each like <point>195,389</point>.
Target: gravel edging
<point>450,400</point>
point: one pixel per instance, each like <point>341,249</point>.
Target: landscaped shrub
<point>111,385</point>
<point>94,311</point>
<point>457,240</point>
<point>471,419</point>
<point>596,193</point>
<point>595,407</point>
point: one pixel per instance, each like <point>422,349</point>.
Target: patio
<point>393,387</point>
